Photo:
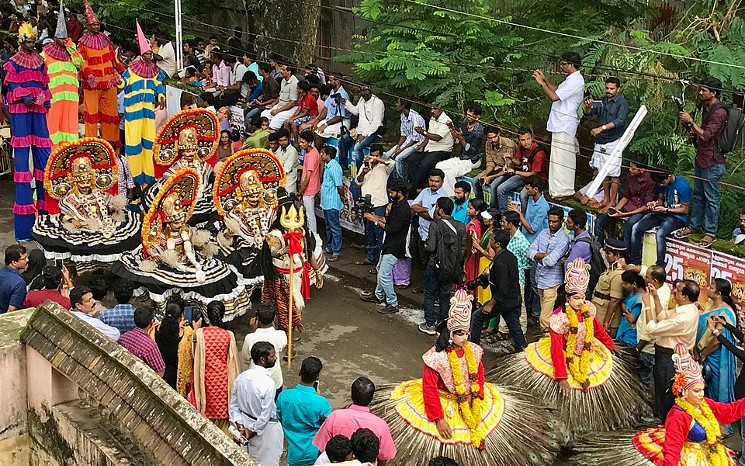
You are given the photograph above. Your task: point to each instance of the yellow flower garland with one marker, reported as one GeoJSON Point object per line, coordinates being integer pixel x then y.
{"type": "Point", "coordinates": [470, 407]}
{"type": "Point", "coordinates": [579, 369]}
{"type": "Point", "coordinates": [709, 422]}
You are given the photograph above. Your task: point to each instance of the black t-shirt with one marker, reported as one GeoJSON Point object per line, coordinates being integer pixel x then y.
{"type": "Point", "coordinates": [397, 225]}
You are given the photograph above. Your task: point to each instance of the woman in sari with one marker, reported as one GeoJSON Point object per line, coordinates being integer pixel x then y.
{"type": "Point", "coordinates": [474, 230]}
{"type": "Point", "coordinates": [485, 257]}
{"type": "Point", "coordinates": [719, 366]}
{"type": "Point", "coordinates": [216, 366]}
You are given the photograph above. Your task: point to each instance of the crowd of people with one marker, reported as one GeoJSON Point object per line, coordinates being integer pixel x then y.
{"type": "Point", "coordinates": [462, 200]}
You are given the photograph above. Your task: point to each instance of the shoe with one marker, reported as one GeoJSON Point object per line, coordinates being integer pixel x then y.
{"type": "Point", "coordinates": [532, 321]}
{"type": "Point", "coordinates": [429, 330]}
{"type": "Point", "coordinates": [333, 258]}
{"type": "Point", "coordinates": [370, 297]}
{"type": "Point", "coordinates": [388, 309]}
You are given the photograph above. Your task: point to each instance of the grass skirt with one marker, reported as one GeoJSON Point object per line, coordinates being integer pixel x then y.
{"type": "Point", "coordinates": [517, 430]}
{"type": "Point", "coordinates": [614, 399]}
{"type": "Point", "coordinates": [644, 448]}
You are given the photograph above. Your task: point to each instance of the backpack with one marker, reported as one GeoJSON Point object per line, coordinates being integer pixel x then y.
{"type": "Point", "coordinates": [731, 136]}
{"type": "Point", "coordinates": [449, 262]}
{"type": "Point", "coordinates": [597, 264]}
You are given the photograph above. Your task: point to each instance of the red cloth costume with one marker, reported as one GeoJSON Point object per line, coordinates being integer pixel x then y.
{"type": "Point", "coordinates": [432, 383]}
{"type": "Point", "coordinates": [678, 423]}
{"type": "Point", "coordinates": [559, 341]}
{"type": "Point", "coordinates": [99, 77]}
{"type": "Point", "coordinates": [217, 347]}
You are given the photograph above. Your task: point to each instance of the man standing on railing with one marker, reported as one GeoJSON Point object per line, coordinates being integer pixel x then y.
{"type": "Point", "coordinates": [563, 122]}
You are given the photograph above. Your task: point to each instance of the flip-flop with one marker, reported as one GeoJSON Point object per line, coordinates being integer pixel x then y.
{"type": "Point", "coordinates": [364, 262]}
{"type": "Point", "coordinates": [683, 233]}
{"type": "Point", "coordinates": [706, 241]}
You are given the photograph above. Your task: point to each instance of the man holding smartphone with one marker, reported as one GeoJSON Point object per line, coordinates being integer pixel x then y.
{"type": "Point", "coordinates": [611, 112]}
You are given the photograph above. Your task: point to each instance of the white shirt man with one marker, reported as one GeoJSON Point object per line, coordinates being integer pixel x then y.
{"type": "Point", "coordinates": [277, 338]}
{"type": "Point", "coordinates": [252, 408]}
{"type": "Point", "coordinates": [287, 104]}
{"type": "Point", "coordinates": [409, 138]}
{"type": "Point", "coordinates": [562, 123]}
{"type": "Point", "coordinates": [168, 58]}
{"type": "Point", "coordinates": [84, 307]}
{"type": "Point", "coordinates": [287, 154]}
{"type": "Point", "coordinates": [370, 111]}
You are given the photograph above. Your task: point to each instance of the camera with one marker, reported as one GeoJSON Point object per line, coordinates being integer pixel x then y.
{"type": "Point", "coordinates": [480, 281]}
{"type": "Point", "coordinates": [679, 103]}
{"type": "Point", "coordinates": [364, 204]}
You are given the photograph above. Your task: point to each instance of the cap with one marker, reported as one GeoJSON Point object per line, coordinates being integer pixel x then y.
{"type": "Point", "coordinates": [616, 244]}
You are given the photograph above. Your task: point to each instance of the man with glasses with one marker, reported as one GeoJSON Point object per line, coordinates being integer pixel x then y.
{"type": "Point", "coordinates": [12, 285]}
{"type": "Point", "coordinates": [563, 122]}
{"type": "Point", "coordinates": [470, 138]}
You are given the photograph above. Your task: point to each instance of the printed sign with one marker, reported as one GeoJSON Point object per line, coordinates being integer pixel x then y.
{"type": "Point", "coordinates": [732, 269]}
{"type": "Point", "coordinates": [684, 261]}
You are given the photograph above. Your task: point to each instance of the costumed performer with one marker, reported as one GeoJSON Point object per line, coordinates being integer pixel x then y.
{"type": "Point", "coordinates": [573, 369]}
{"type": "Point", "coordinates": [91, 223]}
{"type": "Point", "coordinates": [691, 436]}
{"type": "Point", "coordinates": [100, 74]}
{"type": "Point", "coordinates": [188, 139]}
{"type": "Point", "coordinates": [452, 411]}
{"type": "Point", "coordinates": [143, 88]}
{"type": "Point", "coordinates": [177, 259]}
{"type": "Point", "coordinates": [28, 99]}
{"type": "Point", "coordinates": [245, 195]}
{"type": "Point", "coordinates": [288, 239]}
{"type": "Point", "coordinates": [63, 65]}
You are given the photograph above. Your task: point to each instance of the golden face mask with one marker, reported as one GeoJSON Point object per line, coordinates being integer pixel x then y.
{"type": "Point", "coordinates": [82, 171]}
{"type": "Point", "coordinates": [173, 209]}
{"type": "Point", "coordinates": [249, 184]}
{"type": "Point", "coordinates": [187, 140]}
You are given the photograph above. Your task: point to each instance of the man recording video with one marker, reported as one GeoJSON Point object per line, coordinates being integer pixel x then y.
{"type": "Point", "coordinates": [396, 224]}
{"type": "Point", "coordinates": [373, 179]}
{"type": "Point", "coordinates": [709, 162]}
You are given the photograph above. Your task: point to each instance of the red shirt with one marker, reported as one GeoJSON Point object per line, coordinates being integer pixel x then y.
{"type": "Point", "coordinates": [538, 163]}
{"type": "Point", "coordinates": [37, 297]}
{"type": "Point", "coordinates": [139, 343]}
{"type": "Point", "coordinates": [559, 342]}
{"type": "Point", "coordinates": [678, 424]}
{"type": "Point", "coordinates": [432, 383]}
{"type": "Point", "coordinates": [639, 191]}
{"type": "Point", "coordinates": [309, 104]}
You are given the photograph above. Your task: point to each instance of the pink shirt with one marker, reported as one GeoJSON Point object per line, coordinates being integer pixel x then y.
{"type": "Point", "coordinates": [346, 422]}
{"type": "Point", "coordinates": [221, 74]}
{"type": "Point", "coordinates": [310, 165]}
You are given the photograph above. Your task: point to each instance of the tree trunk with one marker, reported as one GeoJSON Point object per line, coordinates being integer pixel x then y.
{"type": "Point", "coordinates": [290, 30]}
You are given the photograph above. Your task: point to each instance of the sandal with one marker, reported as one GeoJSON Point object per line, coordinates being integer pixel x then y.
{"type": "Point", "coordinates": [684, 232]}
{"type": "Point", "coordinates": [706, 241]}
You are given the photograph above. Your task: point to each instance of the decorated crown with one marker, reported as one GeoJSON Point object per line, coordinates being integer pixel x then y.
{"type": "Point", "coordinates": [459, 315]}
{"type": "Point", "coordinates": [577, 277]}
{"type": "Point", "coordinates": [90, 15]}
{"type": "Point", "coordinates": [26, 32]}
{"type": "Point", "coordinates": [233, 177]}
{"type": "Point", "coordinates": [73, 159]}
{"type": "Point", "coordinates": [688, 371]}
{"type": "Point", "coordinates": [189, 129]}
{"type": "Point", "coordinates": [175, 202]}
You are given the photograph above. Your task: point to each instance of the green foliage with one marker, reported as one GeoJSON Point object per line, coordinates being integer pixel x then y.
{"type": "Point", "coordinates": [430, 54]}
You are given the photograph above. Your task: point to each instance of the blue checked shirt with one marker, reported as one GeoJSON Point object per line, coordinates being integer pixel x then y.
{"type": "Point", "coordinates": [550, 271]}
{"type": "Point", "coordinates": [121, 316]}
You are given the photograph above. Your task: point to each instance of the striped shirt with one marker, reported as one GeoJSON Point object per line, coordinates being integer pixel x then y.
{"type": "Point", "coordinates": [121, 317]}
{"type": "Point", "coordinates": [408, 123]}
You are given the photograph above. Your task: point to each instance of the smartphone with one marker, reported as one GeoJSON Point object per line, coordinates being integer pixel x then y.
{"type": "Point", "coordinates": [612, 210]}
{"type": "Point", "coordinates": [317, 385]}
{"type": "Point", "coordinates": [59, 264]}
{"type": "Point", "coordinates": [597, 104]}
{"type": "Point", "coordinates": [188, 313]}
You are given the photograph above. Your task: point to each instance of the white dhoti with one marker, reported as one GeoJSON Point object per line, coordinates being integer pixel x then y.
{"type": "Point", "coordinates": [562, 164]}
{"type": "Point", "coordinates": [453, 168]}
{"type": "Point", "coordinates": [276, 121]}
{"type": "Point", "coordinates": [334, 131]}
{"type": "Point", "coordinates": [601, 156]}
{"type": "Point", "coordinates": [266, 448]}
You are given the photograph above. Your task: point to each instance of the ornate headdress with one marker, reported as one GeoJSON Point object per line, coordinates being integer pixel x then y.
{"type": "Point", "coordinates": [234, 175]}
{"type": "Point", "coordinates": [75, 159]}
{"type": "Point", "coordinates": [61, 31]}
{"type": "Point", "coordinates": [26, 32]}
{"type": "Point", "coordinates": [577, 277]}
{"type": "Point", "coordinates": [459, 316]}
{"type": "Point", "coordinates": [688, 371]}
{"type": "Point", "coordinates": [90, 16]}
{"type": "Point", "coordinates": [175, 202]}
{"type": "Point", "coordinates": [142, 40]}
{"type": "Point", "coordinates": [194, 129]}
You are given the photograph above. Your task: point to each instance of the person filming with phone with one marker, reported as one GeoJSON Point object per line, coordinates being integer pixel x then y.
{"type": "Point", "coordinates": [611, 112]}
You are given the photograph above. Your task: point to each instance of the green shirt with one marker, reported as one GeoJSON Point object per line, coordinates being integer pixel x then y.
{"type": "Point", "coordinates": [519, 246]}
